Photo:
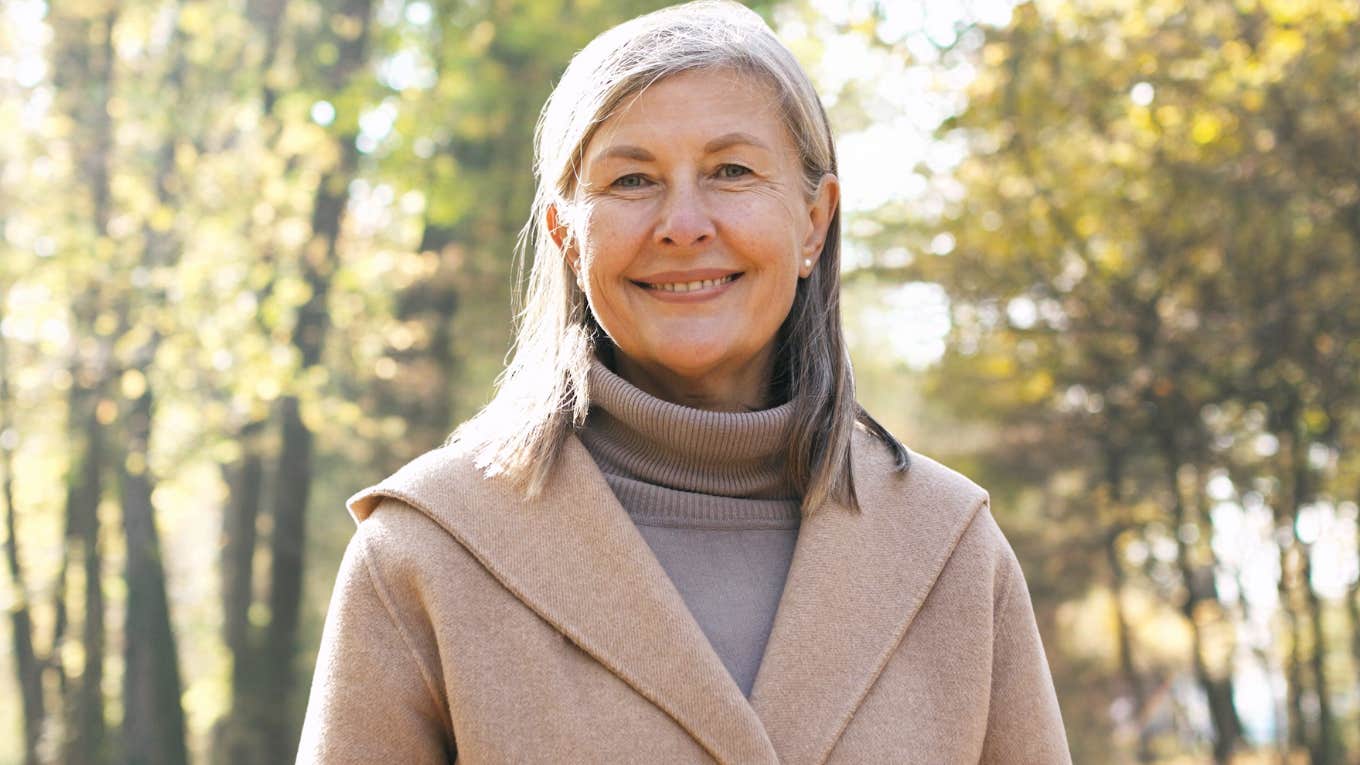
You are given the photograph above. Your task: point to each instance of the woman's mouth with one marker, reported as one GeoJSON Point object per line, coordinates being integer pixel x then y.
{"type": "Point", "coordinates": [689, 286]}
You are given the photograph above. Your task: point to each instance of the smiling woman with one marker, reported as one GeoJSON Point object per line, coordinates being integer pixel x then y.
{"type": "Point", "coordinates": [757, 169]}
{"type": "Point", "coordinates": [673, 535]}
{"type": "Point", "coordinates": [689, 231]}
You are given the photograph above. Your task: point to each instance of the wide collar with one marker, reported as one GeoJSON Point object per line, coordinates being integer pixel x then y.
{"type": "Point", "coordinates": [574, 557]}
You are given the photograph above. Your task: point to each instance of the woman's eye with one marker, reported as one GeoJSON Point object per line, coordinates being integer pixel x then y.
{"type": "Point", "coordinates": [631, 181]}
{"type": "Point", "coordinates": [733, 171]}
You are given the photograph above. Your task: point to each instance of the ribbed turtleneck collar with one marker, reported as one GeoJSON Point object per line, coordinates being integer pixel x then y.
{"type": "Point", "coordinates": [635, 435]}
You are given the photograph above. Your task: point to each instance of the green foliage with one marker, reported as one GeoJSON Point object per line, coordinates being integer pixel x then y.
{"type": "Point", "coordinates": [1154, 220]}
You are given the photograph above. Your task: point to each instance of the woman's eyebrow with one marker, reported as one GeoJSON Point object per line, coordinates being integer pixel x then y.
{"type": "Point", "coordinates": [733, 139]}
{"type": "Point", "coordinates": [625, 152]}
{"type": "Point", "coordinates": [725, 141]}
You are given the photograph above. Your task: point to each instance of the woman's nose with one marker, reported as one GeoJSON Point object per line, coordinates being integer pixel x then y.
{"type": "Point", "coordinates": [685, 220]}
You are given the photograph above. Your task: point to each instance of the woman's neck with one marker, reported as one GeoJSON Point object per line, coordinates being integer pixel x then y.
{"type": "Point", "coordinates": [743, 389]}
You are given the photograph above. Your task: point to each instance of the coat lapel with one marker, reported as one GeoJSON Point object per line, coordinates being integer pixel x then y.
{"type": "Point", "coordinates": [855, 584]}
{"type": "Point", "coordinates": [577, 560]}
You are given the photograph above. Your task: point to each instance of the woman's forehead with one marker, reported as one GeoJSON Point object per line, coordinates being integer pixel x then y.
{"type": "Point", "coordinates": [704, 107]}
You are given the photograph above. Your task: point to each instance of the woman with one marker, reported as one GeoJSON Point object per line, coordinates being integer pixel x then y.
{"type": "Point", "coordinates": [673, 536]}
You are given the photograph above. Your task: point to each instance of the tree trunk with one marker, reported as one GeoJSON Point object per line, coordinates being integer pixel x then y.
{"type": "Point", "coordinates": [1292, 572]}
{"type": "Point", "coordinates": [286, 546]}
{"type": "Point", "coordinates": [1200, 590]}
{"type": "Point", "coordinates": [1325, 749]}
{"type": "Point", "coordinates": [1322, 747]}
{"type": "Point", "coordinates": [1128, 669]}
{"type": "Point", "coordinates": [239, 735]}
{"type": "Point", "coordinates": [153, 720]}
{"type": "Point", "coordinates": [1298, 722]}
{"type": "Point", "coordinates": [153, 717]}
{"type": "Point", "coordinates": [245, 482]}
{"type": "Point", "coordinates": [27, 665]}
{"type": "Point", "coordinates": [82, 69]}
{"type": "Point", "coordinates": [293, 473]}
{"type": "Point", "coordinates": [83, 700]}
{"type": "Point", "coordinates": [1353, 606]}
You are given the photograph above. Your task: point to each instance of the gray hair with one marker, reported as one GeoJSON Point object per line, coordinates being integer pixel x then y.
{"type": "Point", "coordinates": [542, 395]}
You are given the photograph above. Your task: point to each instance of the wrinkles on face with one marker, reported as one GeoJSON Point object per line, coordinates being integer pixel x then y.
{"type": "Point", "coordinates": [638, 180]}
{"type": "Point", "coordinates": [696, 182]}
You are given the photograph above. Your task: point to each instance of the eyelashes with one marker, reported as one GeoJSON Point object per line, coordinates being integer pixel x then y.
{"type": "Point", "coordinates": [726, 171]}
{"type": "Point", "coordinates": [741, 171]}
{"type": "Point", "coordinates": [631, 181]}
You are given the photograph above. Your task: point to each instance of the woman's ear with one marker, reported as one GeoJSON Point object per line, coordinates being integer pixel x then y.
{"type": "Point", "coordinates": [566, 243]}
{"type": "Point", "coordinates": [821, 209]}
{"type": "Point", "coordinates": [561, 235]}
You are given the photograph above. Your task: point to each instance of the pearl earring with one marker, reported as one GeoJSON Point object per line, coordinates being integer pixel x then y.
{"type": "Point", "coordinates": [807, 262]}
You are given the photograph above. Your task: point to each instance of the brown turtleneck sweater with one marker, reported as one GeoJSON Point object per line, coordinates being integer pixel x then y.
{"type": "Point", "coordinates": [707, 492]}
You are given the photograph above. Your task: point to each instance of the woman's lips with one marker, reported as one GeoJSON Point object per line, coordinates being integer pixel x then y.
{"type": "Point", "coordinates": [688, 286]}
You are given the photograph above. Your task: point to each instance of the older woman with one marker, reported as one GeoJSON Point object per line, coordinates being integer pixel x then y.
{"type": "Point", "coordinates": [673, 536]}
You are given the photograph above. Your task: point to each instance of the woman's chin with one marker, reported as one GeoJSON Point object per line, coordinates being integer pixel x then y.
{"type": "Point", "coordinates": [696, 362]}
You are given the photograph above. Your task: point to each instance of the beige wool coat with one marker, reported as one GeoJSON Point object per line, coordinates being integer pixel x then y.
{"type": "Point", "coordinates": [467, 620]}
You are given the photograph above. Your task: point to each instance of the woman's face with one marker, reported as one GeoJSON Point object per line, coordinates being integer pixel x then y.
{"type": "Point", "coordinates": [691, 230]}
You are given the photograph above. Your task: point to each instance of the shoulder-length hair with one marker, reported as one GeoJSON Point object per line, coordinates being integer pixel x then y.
{"type": "Point", "coordinates": [542, 396]}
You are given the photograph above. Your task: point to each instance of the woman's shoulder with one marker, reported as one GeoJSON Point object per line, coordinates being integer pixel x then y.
{"type": "Point", "coordinates": [930, 494]}
{"type": "Point", "coordinates": [444, 472]}
{"type": "Point", "coordinates": [404, 520]}
{"type": "Point", "coordinates": [983, 540]}
{"type": "Point", "coordinates": [921, 480]}
{"type": "Point", "coordinates": [412, 556]}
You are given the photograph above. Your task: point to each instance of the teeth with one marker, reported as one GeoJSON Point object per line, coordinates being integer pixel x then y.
{"type": "Point", "coordinates": [691, 286]}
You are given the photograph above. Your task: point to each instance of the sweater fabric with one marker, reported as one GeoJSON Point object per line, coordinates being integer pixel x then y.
{"type": "Point", "coordinates": [708, 493]}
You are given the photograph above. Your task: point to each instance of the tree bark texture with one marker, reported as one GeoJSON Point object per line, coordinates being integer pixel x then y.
{"type": "Point", "coordinates": [153, 719]}
{"type": "Point", "coordinates": [1128, 668]}
{"type": "Point", "coordinates": [82, 697]}
{"type": "Point", "coordinates": [26, 663]}
{"type": "Point", "coordinates": [1323, 748]}
{"type": "Point", "coordinates": [83, 74]}
{"type": "Point", "coordinates": [1199, 589]}
{"type": "Point", "coordinates": [293, 473]}
{"type": "Point", "coordinates": [245, 482]}
{"type": "Point", "coordinates": [239, 736]}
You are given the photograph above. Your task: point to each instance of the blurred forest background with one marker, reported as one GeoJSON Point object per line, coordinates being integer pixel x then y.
{"type": "Point", "coordinates": [1102, 255]}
